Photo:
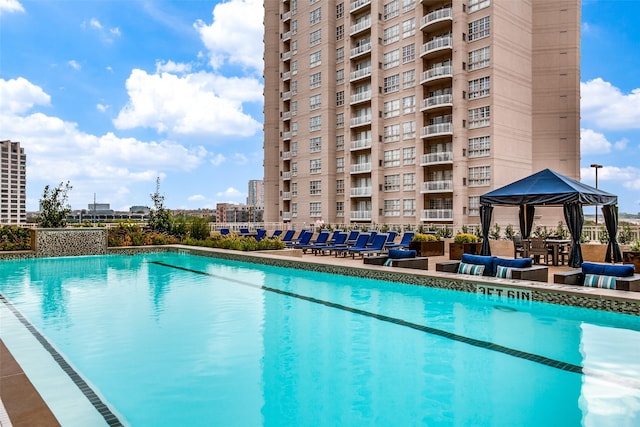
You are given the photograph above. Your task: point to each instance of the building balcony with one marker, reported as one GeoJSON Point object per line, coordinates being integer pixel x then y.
{"type": "Point", "coordinates": [286, 76]}
{"type": "Point", "coordinates": [436, 215]}
{"type": "Point", "coordinates": [360, 121]}
{"type": "Point", "coordinates": [286, 195]}
{"type": "Point", "coordinates": [360, 74]}
{"type": "Point", "coordinates": [361, 168]}
{"type": "Point", "coordinates": [286, 95]}
{"type": "Point", "coordinates": [445, 186]}
{"type": "Point", "coordinates": [436, 19]}
{"type": "Point", "coordinates": [442, 158]}
{"type": "Point", "coordinates": [286, 36]}
{"type": "Point", "coordinates": [435, 102]}
{"type": "Point", "coordinates": [361, 144]}
{"type": "Point", "coordinates": [286, 55]}
{"type": "Point", "coordinates": [361, 192]}
{"type": "Point", "coordinates": [437, 130]}
{"type": "Point", "coordinates": [286, 216]}
{"type": "Point", "coordinates": [360, 26]}
{"type": "Point", "coordinates": [286, 176]}
{"type": "Point", "coordinates": [436, 46]}
{"type": "Point", "coordinates": [360, 215]}
{"type": "Point", "coordinates": [286, 16]}
{"type": "Point", "coordinates": [358, 4]}
{"type": "Point", "coordinates": [286, 135]}
{"type": "Point", "coordinates": [437, 73]}
{"type": "Point", "coordinates": [360, 97]}
{"type": "Point", "coordinates": [286, 115]}
{"type": "Point", "coordinates": [286, 155]}
{"type": "Point", "coordinates": [360, 50]}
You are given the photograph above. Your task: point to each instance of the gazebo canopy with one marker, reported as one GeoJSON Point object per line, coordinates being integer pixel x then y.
{"type": "Point", "coordinates": [547, 187]}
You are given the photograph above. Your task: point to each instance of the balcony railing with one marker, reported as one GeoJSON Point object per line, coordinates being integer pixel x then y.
{"type": "Point", "coordinates": [286, 75]}
{"type": "Point", "coordinates": [360, 121]}
{"type": "Point", "coordinates": [360, 144]}
{"type": "Point", "coordinates": [358, 4]}
{"type": "Point", "coordinates": [286, 195]}
{"type": "Point", "coordinates": [436, 45]}
{"type": "Point", "coordinates": [286, 135]}
{"type": "Point", "coordinates": [436, 215]}
{"type": "Point", "coordinates": [286, 115]}
{"type": "Point", "coordinates": [363, 48]}
{"type": "Point", "coordinates": [286, 36]}
{"type": "Point", "coordinates": [360, 97]}
{"type": "Point", "coordinates": [436, 158]}
{"type": "Point", "coordinates": [286, 176]}
{"type": "Point", "coordinates": [286, 155]}
{"type": "Point", "coordinates": [286, 16]}
{"type": "Point", "coordinates": [437, 73]}
{"type": "Point", "coordinates": [360, 74]}
{"type": "Point", "coordinates": [360, 215]}
{"type": "Point", "coordinates": [437, 101]}
{"type": "Point", "coordinates": [360, 26]}
{"type": "Point", "coordinates": [286, 216]}
{"type": "Point", "coordinates": [286, 55]}
{"type": "Point", "coordinates": [435, 16]}
{"type": "Point", "coordinates": [437, 186]}
{"type": "Point", "coordinates": [361, 192]}
{"type": "Point", "coordinates": [361, 168]}
{"type": "Point", "coordinates": [439, 129]}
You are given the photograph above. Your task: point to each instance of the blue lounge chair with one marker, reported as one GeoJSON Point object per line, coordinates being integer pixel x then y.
{"type": "Point", "coordinates": [391, 236]}
{"type": "Point", "coordinates": [260, 234]}
{"type": "Point", "coordinates": [361, 243]}
{"type": "Point", "coordinates": [224, 231]}
{"type": "Point", "coordinates": [338, 243]}
{"type": "Point", "coordinates": [372, 235]}
{"type": "Point", "coordinates": [377, 247]}
{"type": "Point", "coordinates": [321, 240]}
{"type": "Point", "coordinates": [353, 236]}
{"type": "Point", "coordinates": [404, 242]}
{"type": "Point", "coordinates": [304, 240]}
{"type": "Point", "coordinates": [288, 236]}
{"type": "Point", "coordinates": [275, 234]}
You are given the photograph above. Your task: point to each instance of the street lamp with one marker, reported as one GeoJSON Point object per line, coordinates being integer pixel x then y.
{"type": "Point", "coordinates": [596, 166]}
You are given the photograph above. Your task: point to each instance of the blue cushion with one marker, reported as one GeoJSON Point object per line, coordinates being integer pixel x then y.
{"type": "Point", "coordinates": [503, 272]}
{"type": "Point", "coordinates": [487, 261]}
{"type": "Point", "coordinates": [600, 281]}
{"type": "Point", "coordinates": [514, 263]}
{"type": "Point", "coordinates": [617, 270]}
{"type": "Point", "coordinates": [471, 269]}
{"type": "Point", "coordinates": [399, 254]}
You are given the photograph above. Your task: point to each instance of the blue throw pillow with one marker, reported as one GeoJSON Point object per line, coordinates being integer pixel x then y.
{"type": "Point", "coordinates": [514, 263]}
{"type": "Point", "coordinates": [399, 254]}
{"type": "Point", "coordinates": [487, 261]}
{"type": "Point", "coordinates": [600, 281]}
{"type": "Point", "coordinates": [503, 272]}
{"type": "Point", "coordinates": [617, 270]}
{"type": "Point", "coordinates": [471, 269]}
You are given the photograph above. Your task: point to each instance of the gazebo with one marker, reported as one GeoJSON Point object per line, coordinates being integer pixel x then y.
{"type": "Point", "coordinates": [549, 188]}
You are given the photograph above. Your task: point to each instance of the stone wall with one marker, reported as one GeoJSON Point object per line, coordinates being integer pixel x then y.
{"type": "Point", "coordinates": [55, 242]}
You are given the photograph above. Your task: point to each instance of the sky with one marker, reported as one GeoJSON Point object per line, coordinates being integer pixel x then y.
{"type": "Point", "coordinates": [112, 94]}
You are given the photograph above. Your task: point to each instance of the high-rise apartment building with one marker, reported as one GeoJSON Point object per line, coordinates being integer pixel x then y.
{"type": "Point", "coordinates": [13, 181]}
{"type": "Point", "coordinates": [406, 111]}
{"type": "Point", "coordinates": [255, 195]}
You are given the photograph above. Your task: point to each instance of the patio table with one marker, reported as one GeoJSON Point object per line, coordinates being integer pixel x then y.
{"type": "Point", "coordinates": [556, 246]}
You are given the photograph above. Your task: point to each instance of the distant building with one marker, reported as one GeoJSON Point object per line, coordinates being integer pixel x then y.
{"type": "Point", "coordinates": [140, 209]}
{"type": "Point", "coordinates": [229, 212]}
{"type": "Point", "coordinates": [13, 183]}
{"type": "Point", "coordinates": [256, 193]}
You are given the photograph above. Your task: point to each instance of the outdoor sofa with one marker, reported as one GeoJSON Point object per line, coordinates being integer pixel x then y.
{"type": "Point", "coordinates": [597, 275]}
{"type": "Point", "coordinates": [399, 258]}
{"type": "Point", "coordinates": [492, 266]}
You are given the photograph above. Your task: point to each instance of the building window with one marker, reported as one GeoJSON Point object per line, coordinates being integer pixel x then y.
{"type": "Point", "coordinates": [294, 168]}
{"type": "Point", "coordinates": [339, 32]}
{"type": "Point", "coordinates": [409, 27]}
{"type": "Point", "coordinates": [339, 120]}
{"type": "Point", "coordinates": [315, 123]}
{"type": "Point", "coordinates": [294, 7]}
{"type": "Point", "coordinates": [315, 16]}
{"type": "Point", "coordinates": [479, 176]}
{"type": "Point", "coordinates": [339, 142]}
{"type": "Point", "coordinates": [315, 80]}
{"type": "Point", "coordinates": [315, 209]}
{"type": "Point", "coordinates": [315, 38]}
{"type": "Point", "coordinates": [294, 47]}
{"type": "Point", "coordinates": [340, 54]}
{"type": "Point", "coordinates": [340, 209]}
{"type": "Point", "coordinates": [392, 182]}
{"type": "Point", "coordinates": [480, 146]}
{"type": "Point", "coordinates": [294, 189]}
{"type": "Point", "coordinates": [479, 29]}
{"type": "Point", "coordinates": [315, 144]}
{"type": "Point", "coordinates": [408, 5]}
{"type": "Point", "coordinates": [475, 5]}
{"type": "Point", "coordinates": [340, 165]}
{"type": "Point", "coordinates": [408, 79]}
{"type": "Point", "coordinates": [391, 10]}
{"type": "Point", "coordinates": [315, 102]}
{"type": "Point", "coordinates": [409, 181]}
{"type": "Point", "coordinates": [408, 53]}
{"type": "Point", "coordinates": [294, 27]}
{"type": "Point", "coordinates": [294, 210]}
{"type": "Point", "coordinates": [474, 206]}
{"type": "Point", "coordinates": [392, 83]}
{"type": "Point", "coordinates": [479, 117]}
{"type": "Point", "coordinates": [392, 134]}
{"type": "Point", "coordinates": [392, 207]}
{"type": "Point", "coordinates": [392, 108]}
{"type": "Point", "coordinates": [294, 148]}
{"type": "Point", "coordinates": [340, 186]}
{"type": "Point", "coordinates": [409, 207]}
{"type": "Point", "coordinates": [340, 10]}
{"type": "Point", "coordinates": [339, 77]}
{"type": "Point", "coordinates": [408, 104]}
{"type": "Point", "coordinates": [391, 158]}
{"type": "Point", "coordinates": [409, 156]}
{"type": "Point", "coordinates": [479, 58]}
{"type": "Point", "coordinates": [315, 166]}
{"type": "Point", "coordinates": [391, 59]}
{"type": "Point", "coordinates": [409, 130]}
{"type": "Point", "coordinates": [340, 98]}
{"type": "Point", "coordinates": [479, 88]}
{"type": "Point", "coordinates": [391, 34]}
{"type": "Point", "coordinates": [294, 128]}
{"type": "Point", "coordinates": [315, 188]}
{"type": "Point", "coordinates": [315, 59]}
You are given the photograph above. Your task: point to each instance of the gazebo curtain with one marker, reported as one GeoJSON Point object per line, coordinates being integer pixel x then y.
{"type": "Point", "coordinates": [610, 213]}
{"type": "Point", "coordinates": [526, 220]}
{"type": "Point", "coordinates": [485, 221]}
{"type": "Point", "coordinates": [574, 218]}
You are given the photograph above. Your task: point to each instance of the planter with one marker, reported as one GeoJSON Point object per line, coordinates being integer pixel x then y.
{"type": "Point", "coordinates": [428, 248]}
{"type": "Point", "coordinates": [632, 257]}
{"type": "Point", "coordinates": [457, 249]}
{"type": "Point", "coordinates": [55, 242]}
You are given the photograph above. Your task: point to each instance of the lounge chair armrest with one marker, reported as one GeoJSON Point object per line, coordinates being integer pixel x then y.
{"type": "Point", "coordinates": [573, 277]}
{"type": "Point", "coordinates": [375, 260]}
{"type": "Point", "coordinates": [536, 273]}
{"type": "Point", "coordinates": [448, 266]}
{"type": "Point", "coordinates": [629, 283]}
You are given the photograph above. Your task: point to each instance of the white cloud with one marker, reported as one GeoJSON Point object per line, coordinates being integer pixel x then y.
{"type": "Point", "coordinates": [102, 108]}
{"type": "Point", "coordinates": [234, 35]}
{"type": "Point", "coordinates": [240, 159]}
{"type": "Point", "coordinates": [592, 142]}
{"type": "Point", "coordinates": [196, 198]}
{"type": "Point", "coordinates": [20, 95]}
{"type": "Point", "coordinates": [74, 64]}
{"type": "Point", "coordinates": [95, 24]}
{"type": "Point", "coordinates": [218, 159]}
{"type": "Point", "coordinates": [230, 193]}
{"type": "Point", "coordinates": [106, 34]}
{"type": "Point", "coordinates": [10, 6]}
{"type": "Point", "coordinates": [606, 107]}
{"type": "Point", "coordinates": [172, 67]}
{"type": "Point", "coordinates": [198, 103]}
{"type": "Point", "coordinates": [628, 177]}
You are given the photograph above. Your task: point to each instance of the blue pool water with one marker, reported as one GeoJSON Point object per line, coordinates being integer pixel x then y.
{"type": "Point", "coordinates": [178, 340]}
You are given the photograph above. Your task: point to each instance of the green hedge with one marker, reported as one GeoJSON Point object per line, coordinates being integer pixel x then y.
{"type": "Point", "coordinates": [14, 238]}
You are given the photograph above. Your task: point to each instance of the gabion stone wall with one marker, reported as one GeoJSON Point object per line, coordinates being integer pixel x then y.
{"type": "Point", "coordinates": [55, 242]}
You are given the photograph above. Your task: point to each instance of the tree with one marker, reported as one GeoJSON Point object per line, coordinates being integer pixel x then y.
{"type": "Point", "coordinates": [159, 217]}
{"type": "Point", "coordinates": [53, 206]}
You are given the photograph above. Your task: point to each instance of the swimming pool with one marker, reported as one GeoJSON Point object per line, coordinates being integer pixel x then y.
{"type": "Point", "coordinates": [171, 339]}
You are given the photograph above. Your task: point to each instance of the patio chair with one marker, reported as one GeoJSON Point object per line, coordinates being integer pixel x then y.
{"type": "Point", "coordinates": [321, 240]}
{"type": "Point", "coordinates": [224, 231]}
{"type": "Point", "coordinates": [391, 236]}
{"type": "Point", "coordinates": [519, 247]}
{"type": "Point", "coordinates": [260, 234]}
{"type": "Point", "coordinates": [288, 236]}
{"type": "Point", "coordinates": [538, 248]}
{"type": "Point", "coordinates": [275, 234]}
{"type": "Point", "coordinates": [361, 243]}
{"type": "Point", "coordinates": [305, 239]}
{"type": "Point", "coordinates": [352, 237]}
{"type": "Point", "coordinates": [338, 243]}
{"type": "Point", "coordinates": [404, 242]}
{"type": "Point", "coordinates": [376, 247]}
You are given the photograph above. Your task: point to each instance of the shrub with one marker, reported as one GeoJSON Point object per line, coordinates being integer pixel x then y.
{"type": "Point", "coordinates": [625, 235]}
{"type": "Point", "coordinates": [465, 238]}
{"type": "Point", "coordinates": [53, 206]}
{"type": "Point", "coordinates": [509, 233]}
{"type": "Point", "coordinates": [495, 233]}
{"type": "Point", "coordinates": [14, 238]}
{"type": "Point", "coordinates": [199, 228]}
{"type": "Point", "coordinates": [420, 237]}
{"type": "Point", "coordinates": [636, 246]}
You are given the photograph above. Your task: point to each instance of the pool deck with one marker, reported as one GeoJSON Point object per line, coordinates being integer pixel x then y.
{"type": "Point", "coordinates": [21, 404]}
